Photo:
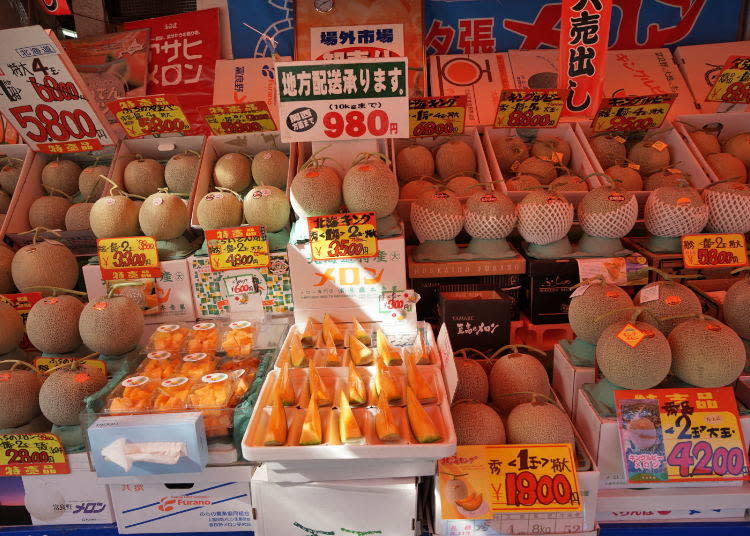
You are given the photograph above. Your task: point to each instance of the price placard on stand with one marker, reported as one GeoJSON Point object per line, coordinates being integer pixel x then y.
{"type": "Point", "coordinates": [237, 248]}
{"type": "Point", "coordinates": [46, 363]}
{"type": "Point", "coordinates": [626, 114]}
{"type": "Point", "coordinates": [343, 99]}
{"type": "Point", "coordinates": [714, 250]}
{"type": "Point", "coordinates": [480, 481]}
{"type": "Point", "coordinates": [43, 96]}
{"type": "Point", "coordinates": [238, 118]}
{"type": "Point", "coordinates": [31, 454]}
{"type": "Point", "coordinates": [529, 108]}
{"type": "Point", "coordinates": [343, 236]}
{"type": "Point", "coordinates": [134, 257]}
{"type": "Point", "coordinates": [436, 116]}
{"type": "Point", "coordinates": [733, 84]}
{"type": "Point", "coordinates": [681, 435]}
{"type": "Point", "coordinates": [150, 115]}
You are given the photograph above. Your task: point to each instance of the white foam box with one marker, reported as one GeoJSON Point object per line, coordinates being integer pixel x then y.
{"type": "Point", "coordinates": [76, 498]}
{"type": "Point", "coordinates": [173, 291]}
{"type": "Point", "coordinates": [218, 500]}
{"type": "Point", "coordinates": [701, 66]}
{"type": "Point", "coordinates": [29, 189]}
{"type": "Point", "coordinates": [731, 124]}
{"type": "Point", "coordinates": [481, 77]}
{"type": "Point", "coordinates": [567, 378]}
{"type": "Point", "coordinates": [385, 506]}
{"type": "Point", "coordinates": [580, 163]}
{"type": "Point", "coordinates": [602, 438]}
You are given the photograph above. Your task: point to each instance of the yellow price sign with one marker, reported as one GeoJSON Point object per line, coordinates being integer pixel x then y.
{"type": "Point", "coordinates": [149, 115]}
{"type": "Point", "coordinates": [529, 108]}
{"type": "Point", "coordinates": [480, 481]}
{"type": "Point", "coordinates": [437, 116]}
{"type": "Point", "coordinates": [733, 84]}
{"type": "Point", "coordinates": [237, 248]}
{"type": "Point", "coordinates": [350, 235]}
{"type": "Point", "coordinates": [46, 363]}
{"type": "Point", "coordinates": [133, 257]}
{"type": "Point", "coordinates": [238, 118]}
{"type": "Point", "coordinates": [717, 250]}
{"type": "Point", "coordinates": [626, 114]}
{"type": "Point", "coordinates": [31, 454]}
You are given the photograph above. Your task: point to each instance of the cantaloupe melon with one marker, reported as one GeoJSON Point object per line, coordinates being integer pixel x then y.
{"type": "Point", "coordinates": [473, 383]}
{"type": "Point", "coordinates": [477, 424]}
{"type": "Point", "coordinates": [62, 395]}
{"type": "Point", "coordinates": [539, 422]}
{"type": "Point", "coordinates": [19, 400]}
{"type": "Point", "coordinates": [517, 373]}
{"type": "Point", "coordinates": [46, 264]}
{"type": "Point", "coordinates": [52, 324]}
{"type": "Point", "coordinates": [111, 325]}
{"type": "Point", "coordinates": [11, 328]}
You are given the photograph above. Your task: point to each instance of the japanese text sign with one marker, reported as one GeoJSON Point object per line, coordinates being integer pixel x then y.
{"type": "Point", "coordinates": [529, 108]}
{"type": "Point", "coordinates": [733, 84]}
{"type": "Point", "coordinates": [681, 435]}
{"type": "Point", "coordinates": [238, 118]}
{"type": "Point", "coordinates": [480, 481]}
{"type": "Point", "coordinates": [625, 114]}
{"type": "Point", "coordinates": [343, 100]}
{"type": "Point", "coordinates": [714, 250]}
{"type": "Point", "coordinates": [31, 454]}
{"type": "Point", "coordinates": [151, 115]}
{"type": "Point", "coordinates": [43, 96]}
{"type": "Point", "coordinates": [237, 248]}
{"type": "Point", "coordinates": [44, 364]}
{"type": "Point", "coordinates": [343, 236]}
{"type": "Point", "coordinates": [436, 116]}
{"type": "Point", "coordinates": [584, 29]}
{"type": "Point", "coordinates": [134, 257]}
{"type": "Point", "coordinates": [22, 303]}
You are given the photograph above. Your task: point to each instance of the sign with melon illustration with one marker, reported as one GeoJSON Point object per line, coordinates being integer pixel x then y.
{"type": "Point", "coordinates": [733, 84]}
{"type": "Point", "coordinates": [529, 108]}
{"type": "Point", "coordinates": [133, 257]}
{"type": "Point", "coordinates": [32, 454]}
{"type": "Point", "coordinates": [482, 480]}
{"type": "Point", "coordinates": [625, 114]}
{"type": "Point", "coordinates": [681, 435]}
{"type": "Point", "coordinates": [237, 248]}
{"type": "Point", "coordinates": [350, 235]}
{"type": "Point", "coordinates": [714, 250]}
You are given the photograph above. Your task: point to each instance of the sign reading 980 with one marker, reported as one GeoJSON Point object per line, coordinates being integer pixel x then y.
{"type": "Point", "coordinates": [348, 99]}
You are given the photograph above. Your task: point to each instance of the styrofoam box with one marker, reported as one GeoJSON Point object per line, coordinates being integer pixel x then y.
{"type": "Point", "coordinates": [218, 500]}
{"type": "Point", "coordinates": [218, 146]}
{"type": "Point", "coordinates": [386, 506]}
{"type": "Point", "coordinates": [681, 156]}
{"type": "Point", "coordinates": [76, 498]}
{"type": "Point", "coordinates": [579, 159]}
{"type": "Point", "coordinates": [732, 124]}
{"type": "Point", "coordinates": [602, 438]}
{"type": "Point", "coordinates": [567, 378]}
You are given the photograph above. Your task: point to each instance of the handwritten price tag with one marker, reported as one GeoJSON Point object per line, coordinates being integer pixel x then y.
{"type": "Point", "coordinates": [46, 363]}
{"type": "Point", "coordinates": [238, 118]}
{"type": "Point", "coordinates": [529, 108]}
{"type": "Point", "coordinates": [681, 435]}
{"type": "Point", "coordinates": [733, 84]}
{"type": "Point", "coordinates": [632, 113]}
{"type": "Point", "coordinates": [479, 481]}
{"type": "Point", "coordinates": [436, 116]}
{"type": "Point", "coordinates": [343, 236]}
{"type": "Point", "coordinates": [31, 454]}
{"type": "Point", "coordinates": [237, 248]}
{"type": "Point", "coordinates": [714, 250]}
{"type": "Point", "coordinates": [134, 257]}
{"type": "Point", "coordinates": [146, 116]}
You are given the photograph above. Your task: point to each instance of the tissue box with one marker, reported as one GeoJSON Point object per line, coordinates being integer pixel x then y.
{"type": "Point", "coordinates": [185, 428]}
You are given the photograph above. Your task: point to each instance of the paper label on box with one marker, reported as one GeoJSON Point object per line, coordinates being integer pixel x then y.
{"type": "Point", "coordinates": [134, 257]}
{"type": "Point", "coordinates": [714, 250]}
{"type": "Point", "coordinates": [343, 236]}
{"type": "Point", "coordinates": [619, 271]}
{"type": "Point", "coordinates": [238, 118]}
{"type": "Point", "coordinates": [238, 248]}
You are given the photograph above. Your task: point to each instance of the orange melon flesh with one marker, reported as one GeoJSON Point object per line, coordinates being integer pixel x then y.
{"type": "Point", "coordinates": [386, 351]}
{"type": "Point", "coordinates": [355, 386]}
{"type": "Point", "coordinates": [422, 427]}
{"type": "Point", "coordinates": [296, 352]}
{"type": "Point", "coordinates": [312, 433]}
{"type": "Point", "coordinates": [330, 328]}
{"type": "Point", "coordinates": [385, 382]}
{"type": "Point", "coordinates": [284, 387]}
{"type": "Point", "coordinates": [385, 424]}
{"type": "Point", "coordinates": [360, 354]}
{"type": "Point", "coordinates": [318, 389]}
{"type": "Point", "coordinates": [360, 333]}
{"type": "Point", "coordinates": [348, 427]}
{"type": "Point", "coordinates": [276, 427]}
{"type": "Point", "coordinates": [417, 382]}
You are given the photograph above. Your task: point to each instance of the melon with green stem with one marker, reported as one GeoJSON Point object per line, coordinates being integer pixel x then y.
{"type": "Point", "coordinates": [219, 210]}
{"type": "Point", "coordinates": [143, 177]}
{"type": "Point", "coordinates": [515, 376]}
{"type": "Point", "coordinates": [19, 393]}
{"type": "Point", "coordinates": [111, 325]}
{"type": "Point", "coordinates": [316, 190]}
{"type": "Point", "coordinates": [44, 264]}
{"type": "Point", "coordinates": [462, 185]}
{"type": "Point", "coordinates": [666, 303]}
{"type": "Point", "coordinates": [706, 142]}
{"type": "Point", "coordinates": [544, 170]}
{"type": "Point", "coordinates": [115, 216]}
{"type": "Point", "coordinates": [626, 176]}
{"type": "Point", "coordinates": [90, 182]}
{"type": "Point", "coordinates": [569, 183]}
{"type": "Point", "coordinates": [413, 188]}
{"type": "Point", "coordinates": [665, 177]}
{"type": "Point", "coordinates": [52, 324]}
{"type": "Point", "coordinates": [606, 214]}
{"type": "Point", "coordinates": [477, 423]}
{"type": "Point", "coordinates": [11, 328]}
{"type": "Point", "coordinates": [551, 148]}
{"type": "Point", "coordinates": [522, 182]}
{"type": "Point", "coordinates": [61, 176]}
{"type": "Point", "coordinates": [739, 147]}
{"type": "Point", "coordinates": [268, 207]}
{"type": "Point", "coordinates": [672, 212]}
{"type": "Point", "coordinates": [49, 211]}
{"type": "Point", "coordinates": [270, 168]}
{"type": "Point", "coordinates": [594, 305]}
{"type": "Point", "coordinates": [233, 171]}
{"type": "Point", "coordinates": [539, 421]}
{"type": "Point", "coordinates": [181, 171]}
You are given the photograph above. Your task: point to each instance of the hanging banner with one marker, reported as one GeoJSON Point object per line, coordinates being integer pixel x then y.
{"type": "Point", "coordinates": [584, 27]}
{"type": "Point", "coordinates": [55, 7]}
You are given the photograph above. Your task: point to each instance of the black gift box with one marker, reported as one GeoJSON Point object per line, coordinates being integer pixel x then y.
{"type": "Point", "coordinates": [477, 319]}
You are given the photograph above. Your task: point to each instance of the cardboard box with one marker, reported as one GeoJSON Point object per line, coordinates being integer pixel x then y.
{"type": "Point", "coordinates": [711, 294]}
{"type": "Point", "coordinates": [568, 378]}
{"type": "Point", "coordinates": [217, 500]}
{"type": "Point", "coordinates": [701, 66]}
{"type": "Point", "coordinates": [479, 319]}
{"type": "Point", "coordinates": [173, 291]}
{"type": "Point", "coordinates": [26, 155]}
{"type": "Point", "coordinates": [481, 77]}
{"type": "Point", "coordinates": [340, 508]}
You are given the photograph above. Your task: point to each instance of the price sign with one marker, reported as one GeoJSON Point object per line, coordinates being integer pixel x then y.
{"type": "Point", "coordinates": [632, 113]}
{"type": "Point", "coordinates": [31, 454]}
{"type": "Point", "coordinates": [733, 84]}
{"type": "Point", "coordinates": [238, 118]}
{"type": "Point", "coordinates": [343, 99]}
{"type": "Point", "coordinates": [529, 108]}
{"type": "Point", "coordinates": [480, 481]}
{"type": "Point", "coordinates": [436, 116]}
{"type": "Point", "coordinates": [150, 115]}
{"type": "Point", "coordinates": [46, 363]}
{"type": "Point", "coordinates": [343, 236]}
{"type": "Point", "coordinates": [44, 97]}
{"type": "Point", "coordinates": [237, 248]}
{"type": "Point", "coordinates": [681, 435]}
{"type": "Point", "coordinates": [714, 250]}
{"type": "Point", "coordinates": [22, 303]}
{"type": "Point", "coordinates": [134, 257]}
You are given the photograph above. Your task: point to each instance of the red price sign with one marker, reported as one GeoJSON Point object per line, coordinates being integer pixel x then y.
{"type": "Point", "coordinates": [31, 454]}
{"type": "Point", "coordinates": [529, 108]}
{"type": "Point", "coordinates": [343, 236]}
{"type": "Point", "coordinates": [154, 114]}
{"type": "Point", "coordinates": [356, 124]}
{"type": "Point", "coordinates": [714, 250]}
{"type": "Point", "coordinates": [625, 114]}
{"type": "Point", "coordinates": [22, 303]}
{"type": "Point", "coordinates": [733, 84]}
{"type": "Point", "coordinates": [134, 257]}
{"type": "Point", "coordinates": [238, 248]}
